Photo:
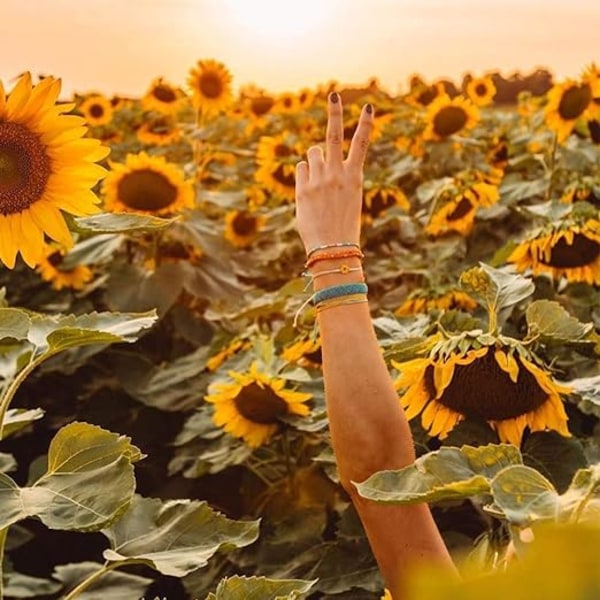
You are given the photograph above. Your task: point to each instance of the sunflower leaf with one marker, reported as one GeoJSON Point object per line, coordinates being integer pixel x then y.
{"type": "Point", "coordinates": [83, 459]}
{"type": "Point", "coordinates": [16, 419]}
{"type": "Point", "coordinates": [549, 320]}
{"type": "Point", "coordinates": [119, 223]}
{"type": "Point", "coordinates": [524, 495]}
{"type": "Point", "coordinates": [174, 537]}
{"type": "Point", "coordinates": [260, 588]}
{"type": "Point", "coordinates": [445, 474]}
{"type": "Point", "coordinates": [14, 324]}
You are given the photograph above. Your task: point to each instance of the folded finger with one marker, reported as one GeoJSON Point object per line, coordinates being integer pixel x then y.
{"type": "Point", "coordinates": [316, 161]}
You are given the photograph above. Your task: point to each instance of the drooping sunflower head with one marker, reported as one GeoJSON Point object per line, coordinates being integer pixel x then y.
{"type": "Point", "coordinates": [242, 227]}
{"type": "Point", "coordinates": [51, 269]}
{"type": "Point", "coordinates": [250, 405]}
{"type": "Point", "coordinates": [162, 131]}
{"type": "Point", "coordinates": [277, 157]}
{"type": "Point", "coordinates": [305, 352]}
{"type": "Point", "coordinates": [379, 198]}
{"type": "Point", "coordinates": [583, 189]}
{"type": "Point", "coordinates": [499, 384]}
{"type": "Point", "coordinates": [97, 110]}
{"type": "Point", "coordinates": [481, 90]}
{"type": "Point", "coordinates": [226, 352]}
{"type": "Point", "coordinates": [423, 94]}
{"type": "Point", "coordinates": [163, 97]}
{"type": "Point", "coordinates": [424, 301]}
{"type": "Point", "coordinates": [568, 249]}
{"type": "Point", "coordinates": [147, 185]}
{"type": "Point", "coordinates": [46, 167]}
{"type": "Point", "coordinates": [448, 116]}
{"type": "Point", "coordinates": [210, 85]}
{"type": "Point", "coordinates": [570, 101]}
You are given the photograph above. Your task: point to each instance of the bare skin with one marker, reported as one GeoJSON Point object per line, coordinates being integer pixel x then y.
{"type": "Point", "coordinates": [369, 430]}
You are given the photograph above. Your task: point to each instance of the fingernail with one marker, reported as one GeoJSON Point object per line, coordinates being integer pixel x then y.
{"type": "Point", "coordinates": [334, 97]}
{"type": "Point", "coordinates": [369, 108]}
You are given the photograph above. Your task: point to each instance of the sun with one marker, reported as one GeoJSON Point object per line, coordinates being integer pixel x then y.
{"type": "Point", "coordinates": [276, 19]}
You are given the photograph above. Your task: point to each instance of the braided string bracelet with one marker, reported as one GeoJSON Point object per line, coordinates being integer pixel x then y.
{"type": "Point", "coordinates": [343, 269]}
{"type": "Point", "coordinates": [329, 246]}
{"type": "Point", "coordinates": [342, 301]}
{"type": "Point", "coordinates": [350, 253]}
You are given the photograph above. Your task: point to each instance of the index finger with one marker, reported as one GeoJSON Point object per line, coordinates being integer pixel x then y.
{"type": "Point", "coordinates": [334, 136]}
{"type": "Point", "coordinates": [360, 140]}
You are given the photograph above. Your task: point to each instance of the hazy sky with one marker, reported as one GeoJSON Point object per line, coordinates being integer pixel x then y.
{"type": "Point", "coordinates": [119, 46]}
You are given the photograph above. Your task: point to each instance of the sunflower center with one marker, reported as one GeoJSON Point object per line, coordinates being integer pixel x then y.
{"type": "Point", "coordinates": [24, 168]}
{"type": "Point", "coordinates": [260, 405]}
{"type": "Point", "coordinates": [380, 202]}
{"type": "Point", "coordinates": [427, 96]}
{"type": "Point", "coordinates": [210, 85]}
{"type": "Point", "coordinates": [581, 252]}
{"type": "Point", "coordinates": [288, 180]}
{"type": "Point", "coordinates": [96, 111]}
{"type": "Point", "coordinates": [449, 120]}
{"type": "Point", "coordinates": [56, 258]}
{"type": "Point", "coordinates": [261, 105]}
{"type": "Point", "coordinates": [282, 151]}
{"type": "Point", "coordinates": [244, 224]}
{"type": "Point", "coordinates": [482, 390]}
{"type": "Point", "coordinates": [164, 93]}
{"type": "Point", "coordinates": [574, 101]}
{"type": "Point", "coordinates": [481, 89]}
{"type": "Point", "coordinates": [462, 208]}
{"type": "Point", "coordinates": [146, 189]}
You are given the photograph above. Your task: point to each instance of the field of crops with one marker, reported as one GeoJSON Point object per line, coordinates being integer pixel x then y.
{"type": "Point", "coordinates": [162, 412]}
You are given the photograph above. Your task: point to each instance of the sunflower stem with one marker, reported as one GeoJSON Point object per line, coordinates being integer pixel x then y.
{"type": "Point", "coordinates": [552, 167]}
{"type": "Point", "coordinates": [3, 534]}
{"type": "Point", "coordinates": [88, 581]}
{"type": "Point", "coordinates": [578, 512]}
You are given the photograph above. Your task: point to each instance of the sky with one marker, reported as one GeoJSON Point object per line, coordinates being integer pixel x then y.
{"type": "Point", "coordinates": [120, 46]}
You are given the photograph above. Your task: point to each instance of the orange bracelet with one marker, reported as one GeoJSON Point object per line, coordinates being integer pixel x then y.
{"type": "Point", "coordinates": [352, 252]}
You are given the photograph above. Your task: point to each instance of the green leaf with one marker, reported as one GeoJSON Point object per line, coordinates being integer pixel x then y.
{"type": "Point", "coordinates": [588, 388]}
{"type": "Point", "coordinates": [515, 191]}
{"type": "Point", "coordinates": [113, 585]}
{"type": "Point", "coordinates": [14, 323]}
{"type": "Point", "coordinates": [445, 474]}
{"type": "Point", "coordinates": [260, 588]}
{"type": "Point", "coordinates": [16, 419]}
{"type": "Point", "coordinates": [551, 321]}
{"type": "Point", "coordinates": [92, 251]}
{"type": "Point", "coordinates": [581, 501]}
{"type": "Point", "coordinates": [119, 223]}
{"type": "Point", "coordinates": [19, 585]}
{"type": "Point", "coordinates": [83, 462]}
{"type": "Point", "coordinates": [174, 537]}
{"type": "Point", "coordinates": [524, 495]}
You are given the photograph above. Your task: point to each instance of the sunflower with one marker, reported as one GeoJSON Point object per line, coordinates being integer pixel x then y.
{"type": "Point", "coordinates": [162, 97]}
{"type": "Point", "coordinates": [387, 595]}
{"type": "Point", "coordinates": [233, 347]}
{"type": "Point", "coordinates": [97, 110]}
{"type": "Point", "coordinates": [570, 101]}
{"type": "Point", "coordinates": [305, 352]}
{"type": "Point", "coordinates": [585, 189]}
{"type": "Point", "coordinates": [242, 227]}
{"type": "Point", "coordinates": [379, 123]}
{"type": "Point", "coordinates": [422, 94]}
{"type": "Point", "coordinates": [380, 198]}
{"type": "Point", "coordinates": [210, 84]}
{"type": "Point", "coordinates": [481, 90]}
{"type": "Point", "coordinates": [249, 407]}
{"type": "Point", "coordinates": [568, 249]}
{"type": "Point", "coordinates": [447, 116]}
{"type": "Point", "coordinates": [158, 132]}
{"type": "Point", "coordinates": [45, 168]}
{"type": "Point", "coordinates": [277, 157]}
{"type": "Point", "coordinates": [286, 103]}
{"type": "Point", "coordinates": [423, 301]}
{"type": "Point", "coordinates": [147, 185]}
{"type": "Point", "coordinates": [51, 270]}
{"type": "Point", "coordinates": [306, 98]}
{"type": "Point", "coordinates": [497, 383]}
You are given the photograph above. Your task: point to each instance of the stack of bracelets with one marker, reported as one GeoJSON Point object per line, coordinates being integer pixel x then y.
{"type": "Point", "coordinates": [335, 295]}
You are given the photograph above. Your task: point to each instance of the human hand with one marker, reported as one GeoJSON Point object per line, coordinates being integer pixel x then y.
{"type": "Point", "coordinates": [328, 187]}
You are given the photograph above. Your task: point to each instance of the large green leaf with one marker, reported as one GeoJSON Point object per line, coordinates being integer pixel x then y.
{"type": "Point", "coordinates": [524, 495]}
{"type": "Point", "coordinates": [14, 324]}
{"type": "Point", "coordinates": [16, 419]}
{"type": "Point", "coordinates": [88, 483]}
{"type": "Point", "coordinates": [260, 588]}
{"type": "Point", "coordinates": [550, 321]}
{"type": "Point", "coordinates": [446, 474]}
{"type": "Point", "coordinates": [174, 537]}
{"type": "Point", "coordinates": [119, 223]}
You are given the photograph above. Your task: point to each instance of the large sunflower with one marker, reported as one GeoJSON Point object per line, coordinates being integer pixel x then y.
{"type": "Point", "coordinates": [162, 97]}
{"type": "Point", "coordinates": [570, 101]}
{"type": "Point", "coordinates": [498, 383]}
{"type": "Point", "coordinates": [147, 185]}
{"type": "Point", "coordinates": [210, 84]}
{"type": "Point", "coordinates": [481, 90]}
{"type": "Point", "coordinates": [50, 269]}
{"type": "Point", "coordinates": [242, 227]}
{"type": "Point", "coordinates": [97, 110]}
{"type": "Point", "coordinates": [566, 249]}
{"type": "Point", "coordinates": [250, 406]}
{"type": "Point", "coordinates": [45, 168]}
{"type": "Point", "coordinates": [447, 116]}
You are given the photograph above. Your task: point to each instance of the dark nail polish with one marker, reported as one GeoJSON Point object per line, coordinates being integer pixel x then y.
{"type": "Point", "coordinates": [369, 108]}
{"type": "Point", "coordinates": [334, 97]}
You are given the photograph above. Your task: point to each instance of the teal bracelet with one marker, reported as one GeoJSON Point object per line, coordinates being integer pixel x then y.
{"type": "Point", "coordinates": [336, 291]}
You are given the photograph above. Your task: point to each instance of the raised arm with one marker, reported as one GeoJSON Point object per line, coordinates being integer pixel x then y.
{"type": "Point", "coordinates": [368, 428]}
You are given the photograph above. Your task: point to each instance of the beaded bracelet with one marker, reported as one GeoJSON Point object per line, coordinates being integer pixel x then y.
{"type": "Point", "coordinates": [352, 252]}
{"type": "Point", "coordinates": [328, 246]}
{"type": "Point", "coordinates": [336, 291]}
{"type": "Point", "coordinates": [343, 269]}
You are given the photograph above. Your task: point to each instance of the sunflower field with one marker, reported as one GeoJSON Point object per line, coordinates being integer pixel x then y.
{"type": "Point", "coordinates": [162, 413]}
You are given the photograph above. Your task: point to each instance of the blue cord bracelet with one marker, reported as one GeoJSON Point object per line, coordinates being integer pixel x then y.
{"type": "Point", "coordinates": [336, 291]}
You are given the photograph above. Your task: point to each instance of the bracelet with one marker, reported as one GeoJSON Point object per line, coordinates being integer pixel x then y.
{"type": "Point", "coordinates": [336, 291]}
{"type": "Point", "coordinates": [333, 255]}
{"type": "Point", "coordinates": [327, 246]}
{"type": "Point", "coordinates": [344, 300]}
{"type": "Point", "coordinates": [342, 269]}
